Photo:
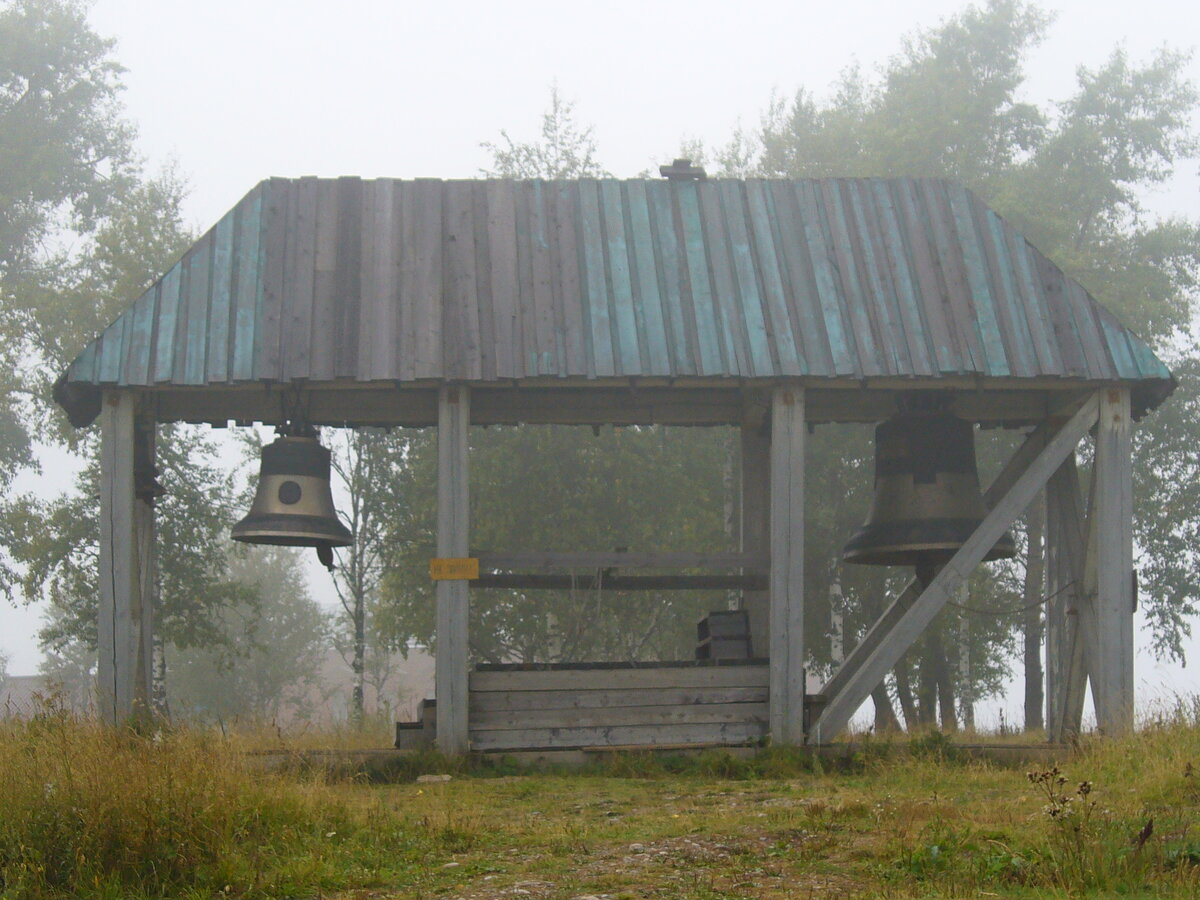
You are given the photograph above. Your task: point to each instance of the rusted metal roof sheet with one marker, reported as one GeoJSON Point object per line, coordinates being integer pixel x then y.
{"type": "Point", "coordinates": [483, 281]}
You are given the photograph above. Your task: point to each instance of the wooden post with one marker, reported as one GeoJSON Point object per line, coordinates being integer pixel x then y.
{"type": "Point", "coordinates": [1071, 641]}
{"type": "Point", "coordinates": [125, 630]}
{"type": "Point", "coordinates": [788, 431]}
{"type": "Point", "coordinates": [1112, 535]}
{"type": "Point", "coordinates": [452, 661]}
{"type": "Point", "coordinates": [1057, 583]}
{"type": "Point", "coordinates": [756, 518]}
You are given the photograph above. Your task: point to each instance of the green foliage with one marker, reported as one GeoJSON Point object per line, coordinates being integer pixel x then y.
{"type": "Point", "coordinates": [55, 543]}
{"type": "Point", "coordinates": [76, 294]}
{"type": "Point", "coordinates": [363, 463]}
{"type": "Point", "coordinates": [268, 658]}
{"type": "Point", "coordinates": [945, 106]}
{"type": "Point", "coordinates": [564, 149]}
{"type": "Point", "coordinates": [64, 145]}
{"type": "Point", "coordinates": [561, 488]}
{"type": "Point", "coordinates": [1166, 525]}
{"type": "Point", "coordinates": [1071, 176]}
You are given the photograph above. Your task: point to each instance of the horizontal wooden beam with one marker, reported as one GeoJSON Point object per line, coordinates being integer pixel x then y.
{"type": "Point", "coordinates": [593, 582]}
{"type": "Point", "coordinates": [549, 559]}
{"type": "Point", "coordinates": [381, 405]}
{"type": "Point", "coordinates": [691, 674]}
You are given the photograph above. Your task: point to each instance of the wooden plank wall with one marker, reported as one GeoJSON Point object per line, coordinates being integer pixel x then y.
{"type": "Point", "coordinates": [664, 706]}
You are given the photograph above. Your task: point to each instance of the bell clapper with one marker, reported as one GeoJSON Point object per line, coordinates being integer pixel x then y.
{"type": "Point", "coordinates": [325, 556]}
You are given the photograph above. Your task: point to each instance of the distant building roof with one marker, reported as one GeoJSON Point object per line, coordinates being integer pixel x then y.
{"type": "Point", "coordinates": [383, 280]}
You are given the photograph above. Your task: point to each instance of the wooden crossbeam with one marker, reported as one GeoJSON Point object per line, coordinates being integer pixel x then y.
{"type": "Point", "coordinates": [913, 622]}
{"type": "Point", "coordinates": [583, 560]}
{"type": "Point", "coordinates": [591, 581]}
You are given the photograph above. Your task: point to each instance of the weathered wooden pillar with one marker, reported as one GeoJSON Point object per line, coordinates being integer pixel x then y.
{"type": "Point", "coordinates": [756, 516]}
{"type": "Point", "coordinates": [125, 627]}
{"type": "Point", "coordinates": [452, 662]}
{"type": "Point", "coordinates": [1057, 582]}
{"type": "Point", "coordinates": [1112, 534]}
{"type": "Point", "coordinates": [1071, 641]}
{"type": "Point", "coordinates": [788, 431]}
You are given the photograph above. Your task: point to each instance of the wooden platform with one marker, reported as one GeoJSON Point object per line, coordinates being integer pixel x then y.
{"type": "Point", "coordinates": [709, 703]}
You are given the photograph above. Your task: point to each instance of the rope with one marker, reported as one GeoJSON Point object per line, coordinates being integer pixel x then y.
{"type": "Point", "coordinates": [996, 613]}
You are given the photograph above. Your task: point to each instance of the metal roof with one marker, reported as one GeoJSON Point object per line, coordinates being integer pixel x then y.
{"type": "Point", "coordinates": [493, 280]}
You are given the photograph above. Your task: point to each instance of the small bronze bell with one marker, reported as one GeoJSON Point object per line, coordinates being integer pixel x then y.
{"type": "Point", "coordinates": [293, 506]}
{"type": "Point", "coordinates": [927, 499]}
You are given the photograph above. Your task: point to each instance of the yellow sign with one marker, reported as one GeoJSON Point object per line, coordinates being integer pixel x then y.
{"type": "Point", "coordinates": [453, 569]}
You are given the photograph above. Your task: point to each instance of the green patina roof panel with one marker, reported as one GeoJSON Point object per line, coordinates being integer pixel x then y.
{"type": "Point", "coordinates": [483, 281]}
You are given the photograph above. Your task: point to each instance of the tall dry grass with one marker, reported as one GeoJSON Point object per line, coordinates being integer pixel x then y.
{"type": "Point", "coordinates": [93, 811]}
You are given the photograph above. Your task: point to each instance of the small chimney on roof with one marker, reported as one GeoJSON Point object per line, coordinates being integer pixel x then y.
{"type": "Point", "coordinates": [683, 170]}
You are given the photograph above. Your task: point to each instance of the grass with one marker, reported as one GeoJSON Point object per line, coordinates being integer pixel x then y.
{"type": "Point", "coordinates": [89, 812]}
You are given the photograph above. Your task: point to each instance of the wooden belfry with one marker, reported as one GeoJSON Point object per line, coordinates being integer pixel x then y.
{"type": "Point", "coordinates": [768, 305]}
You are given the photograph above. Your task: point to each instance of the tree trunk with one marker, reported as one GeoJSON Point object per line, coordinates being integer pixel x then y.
{"type": "Point", "coordinates": [945, 682]}
{"type": "Point", "coordinates": [1035, 568]}
{"type": "Point", "coordinates": [904, 694]}
{"type": "Point", "coordinates": [358, 665]}
{"type": "Point", "coordinates": [966, 689]}
{"type": "Point", "coordinates": [885, 715]}
{"type": "Point", "coordinates": [927, 681]}
{"type": "Point", "coordinates": [158, 686]}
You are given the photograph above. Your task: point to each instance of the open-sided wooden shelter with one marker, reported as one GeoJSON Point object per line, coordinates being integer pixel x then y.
{"type": "Point", "coordinates": [769, 305]}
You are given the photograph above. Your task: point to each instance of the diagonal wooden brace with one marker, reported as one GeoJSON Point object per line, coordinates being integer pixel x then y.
{"type": "Point", "coordinates": [1028, 473]}
{"type": "Point", "coordinates": [1079, 623]}
{"type": "Point", "coordinates": [886, 622]}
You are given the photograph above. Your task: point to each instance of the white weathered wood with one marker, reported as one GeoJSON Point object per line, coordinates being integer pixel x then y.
{"type": "Point", "coordinates": [945, 584]}
{"type": "Point", "coordinates": [146, 542]}
{"type": "Point", "coordinates": [1058, 581]}
{"type": "Point", "coordinates": [1072, 646]}
{"type": "Point", "coordinates": [517, 701]}
{"type": "Point", "coordinates": [788, 431]}
{"type": "Point", "coordinates": [452, 660]}
{"type": "Point", "coordinates": [620, 679]}
{"type": "Point", "coordinates": [585, 560]}
{"type": "Point", "coordinates": [124, 626]}
{"type": "Point", "coordinates": [617, 716]}
{"type": "Point", "coordinates": [1112, 538]}
{"type": "Point", "coordinates": [618, 736]}
{"type": "Point", "coordinates": [756, 520]}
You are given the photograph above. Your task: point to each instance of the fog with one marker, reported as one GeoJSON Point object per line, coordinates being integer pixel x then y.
{"type": "Point", "coordinates": [232, 92]}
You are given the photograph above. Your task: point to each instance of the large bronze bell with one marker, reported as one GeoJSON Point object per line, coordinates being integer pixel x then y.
{"type": "Point", "coordinates": [293, 506]}
{"type": "Point", "coordinates": [927, 500]}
